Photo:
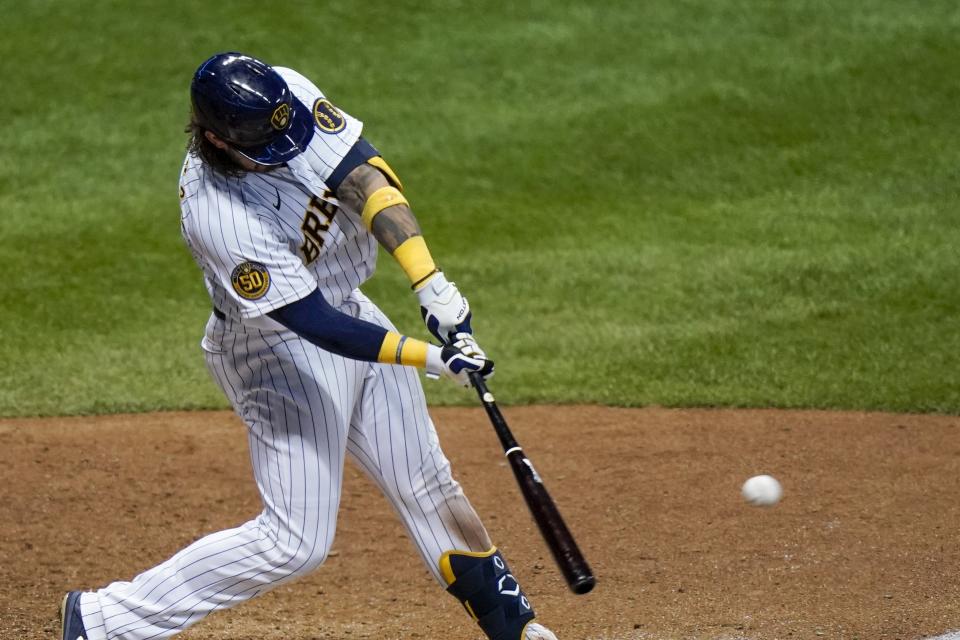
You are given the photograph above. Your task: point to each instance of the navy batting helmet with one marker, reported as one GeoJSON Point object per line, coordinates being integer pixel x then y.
{"type": "Point", "coordinates": [245, 102]}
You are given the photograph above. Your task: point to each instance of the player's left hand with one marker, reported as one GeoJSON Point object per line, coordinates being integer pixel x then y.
{"type": "Point", "coordinates": [458, 360]}
{"type": "Point", "coordinates": [445, 311]}
{"type": "Point", "coordinates": [464, 356]}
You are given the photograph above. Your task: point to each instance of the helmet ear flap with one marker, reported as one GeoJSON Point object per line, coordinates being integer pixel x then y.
{"type": "Point", "coordinates": [200, 118]}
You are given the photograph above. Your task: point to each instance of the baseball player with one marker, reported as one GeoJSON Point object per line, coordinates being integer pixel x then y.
{"type": "Point", "coordinates": [284, 204]}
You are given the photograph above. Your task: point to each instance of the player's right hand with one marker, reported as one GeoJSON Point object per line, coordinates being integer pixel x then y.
{"type": "Point", "coordinates": [459, 359]}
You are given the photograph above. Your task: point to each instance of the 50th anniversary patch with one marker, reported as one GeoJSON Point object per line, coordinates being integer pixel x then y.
{"type": "Point", "coordinates": [251, 280]}
{"type": "Point", "coordinates": [329, 119]}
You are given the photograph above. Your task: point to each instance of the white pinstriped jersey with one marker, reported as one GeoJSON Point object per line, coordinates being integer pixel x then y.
{"type": "Point", "coordinates": [264, 240]}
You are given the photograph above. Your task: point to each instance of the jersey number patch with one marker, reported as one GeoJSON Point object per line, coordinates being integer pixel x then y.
{"type": "Point", "coordinates": [250, 280]}
{"type": "Point", "coordinates": [315, 223]}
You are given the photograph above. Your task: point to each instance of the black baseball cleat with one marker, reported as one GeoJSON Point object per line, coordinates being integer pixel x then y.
{"type": "Point", "coordinates": [71, 622]}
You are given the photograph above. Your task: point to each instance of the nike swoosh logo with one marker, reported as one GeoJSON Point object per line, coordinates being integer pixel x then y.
{"type": "Point", "coordinates": [277, 206]}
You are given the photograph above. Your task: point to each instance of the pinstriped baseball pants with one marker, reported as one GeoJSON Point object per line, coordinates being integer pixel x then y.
{"type": "Point", "coordinates": [305, 409]}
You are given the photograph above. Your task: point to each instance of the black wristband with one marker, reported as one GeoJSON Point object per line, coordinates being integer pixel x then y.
{"type": "Point", "coordinates": [418, 282]}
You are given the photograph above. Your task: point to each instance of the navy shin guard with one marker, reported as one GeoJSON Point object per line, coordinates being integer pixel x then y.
{"type": "Point", "coordinates": [482, 582]}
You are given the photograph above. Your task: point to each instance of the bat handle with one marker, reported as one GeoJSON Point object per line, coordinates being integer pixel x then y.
{"type": "Point", "coordinates": [478, 383]}
{"type": "Point", "coordinates": [507, 440]}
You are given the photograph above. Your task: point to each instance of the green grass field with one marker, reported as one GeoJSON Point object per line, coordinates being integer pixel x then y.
{"type": "Point", "coordinates": [711, 202]}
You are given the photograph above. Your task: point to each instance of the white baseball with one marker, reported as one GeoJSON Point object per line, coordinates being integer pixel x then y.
{"type": "Point", "coordinates": [762, 491]}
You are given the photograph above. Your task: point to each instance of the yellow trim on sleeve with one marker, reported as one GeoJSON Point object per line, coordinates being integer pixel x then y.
{"type": "Point", "coordinates": [388, 348]}
{"type": "Point", "coordinates": [398, 349]}
{"type": "Point", "coordinates": [378, 201]}
{"type": "Point", "coordinates": [414, 353]}
{"type": "Point", "coordinates": [380, 163]}
{"type": "Point", "coordinates": [415, 259]}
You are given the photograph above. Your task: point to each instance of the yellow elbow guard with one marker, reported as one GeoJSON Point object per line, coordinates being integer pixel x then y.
{"type": "Point", "coordinates": [415, 259]}
{"type": "Point", "coordinates": [381, 164]}
{"type": "Point", "coordinates": [398, 349]}
{"type": "Point", "coordinates": [378, 201]}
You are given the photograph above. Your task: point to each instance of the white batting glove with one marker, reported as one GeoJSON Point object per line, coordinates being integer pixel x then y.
{"type": "Point", "coordinates": [458, 360]}
{"type": "Point", "coordinates": [444, 310]}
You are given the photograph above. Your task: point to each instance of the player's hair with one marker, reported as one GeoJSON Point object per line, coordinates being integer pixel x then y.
{"type": "Point", "coordinates": [215, 158]}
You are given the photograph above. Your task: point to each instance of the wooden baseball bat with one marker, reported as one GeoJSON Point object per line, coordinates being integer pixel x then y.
{"type": "Point", "coordinates": [564, 548]}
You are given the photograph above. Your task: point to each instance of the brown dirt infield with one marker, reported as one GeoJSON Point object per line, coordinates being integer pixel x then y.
{"type": "Point", "coordinates": [864, 544]}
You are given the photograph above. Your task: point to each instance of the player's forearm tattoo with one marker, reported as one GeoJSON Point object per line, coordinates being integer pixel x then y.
{"type": "Point", "coordinates": [359, 184]}
{"type": "Point", "coordinates": [394, 224]}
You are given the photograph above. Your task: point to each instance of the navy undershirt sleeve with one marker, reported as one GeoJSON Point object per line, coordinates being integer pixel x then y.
{"type": "Point", "coordinates": [359, 153]}
{"type": "Point", "coordinates": [315, 320]}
